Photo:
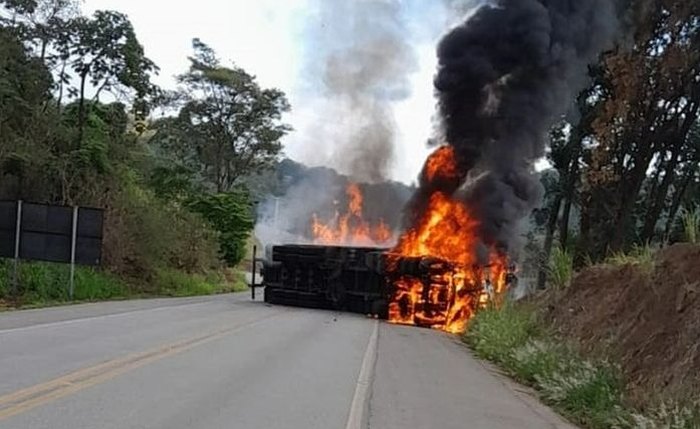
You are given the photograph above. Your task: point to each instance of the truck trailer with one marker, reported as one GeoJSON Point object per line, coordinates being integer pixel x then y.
{"type": "Point", "coordinates": [422, 291]}
{"type": "Point", "coordinates": [327, 277]}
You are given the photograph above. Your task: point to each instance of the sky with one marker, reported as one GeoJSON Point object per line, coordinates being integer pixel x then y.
{"type": "Point", "coordinates": [271, 40]}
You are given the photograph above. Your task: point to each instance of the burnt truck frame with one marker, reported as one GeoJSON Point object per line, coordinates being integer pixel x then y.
{"type": "Point", "coordinates": [357, 279]}
{"type": "Point", "coordinates": [327, 277]}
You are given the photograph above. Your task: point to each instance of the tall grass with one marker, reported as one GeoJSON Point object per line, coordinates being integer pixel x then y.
{"type": "Point", "coordinates": [179, 284]}
{"type": "Point", "coordinates": [691, 224]}
{"type": "Point", "coordinates": [43, 283]}
{"type": "Point", "coordinates": [641, 256]}
{"type": "Point", "coordinates": [494, 333]}
{"type": "Point", "coordinates": [589, 392]}
{"type": "Point", "coordinates": [664, 416]}
{"type": "Point", "coordinates": [560, 268]}
{"type": "Point", "coordinates": [585, 391]}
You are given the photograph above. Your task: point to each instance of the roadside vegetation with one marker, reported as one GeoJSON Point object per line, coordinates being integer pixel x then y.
{"type": "Point", "coordinates": [691, 225]}
{"type": "Point", "coordinates": [589, 391]}
{"type": "Point", "coordinates": [81, 123]}
{"type": "Point", "coordinates": [625, 169]}
{"type": "Point", "coordinates": [586, 392]}
{"type": "Point", "coordinates": [582, 345]}
{"type": "Point", "coordinates": [560, 268]}
{"type": "Point", "coordinates": [46, 284]}
{"type": "Point", "coordinates": [608, 333]}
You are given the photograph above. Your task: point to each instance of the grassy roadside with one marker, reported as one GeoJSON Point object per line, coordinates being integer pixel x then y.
{"type": "Point", "coordinates": [45, 284]}
{"type": "Point", "coordinates": [589, 391]}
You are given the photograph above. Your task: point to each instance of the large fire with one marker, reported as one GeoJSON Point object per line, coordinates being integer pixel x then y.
{"type": "Point", "coordinates": [351, 228]}
{"type": "Point", "coordinates": [441, 164]}
{"type": "Point", "coordinates": [445, 238]}
{"type": "Point", "coordinates": [436, 277]}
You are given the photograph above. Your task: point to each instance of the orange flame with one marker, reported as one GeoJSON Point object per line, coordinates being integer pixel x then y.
{"type": "Point", "coordinates": [457, 286]}
{"type": "Point", "coordinates": [356, 200]}
{"type": "Point", "coordinates": [351, 228]}
{"type": "Point", "coordinates": [442, 164]}
{"type": "Point", "coordinates": [445, 231]}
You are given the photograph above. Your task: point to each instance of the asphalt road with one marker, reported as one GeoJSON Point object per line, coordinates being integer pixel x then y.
{"type": "Point", "coordinates": [226, 362]}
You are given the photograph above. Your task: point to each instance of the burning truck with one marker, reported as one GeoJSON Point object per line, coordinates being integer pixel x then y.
{"type": "Point", "coordinates": [437, 274]}
{"type": "Point", "coordinates": [505, 75]}
{"type": "Point", "coordinates": [422, 291]}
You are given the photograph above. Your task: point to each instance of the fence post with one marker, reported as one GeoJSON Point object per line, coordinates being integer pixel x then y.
{"type": "Point", "coordinates": [74, 235]}
{"type": "Point", "coordinates": [15, 269]}
{"type": "Point", "coordinates": [252, 275]}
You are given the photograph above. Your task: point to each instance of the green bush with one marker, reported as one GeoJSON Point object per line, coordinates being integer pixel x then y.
{"type": "Point", "coordinates": [495, 333]}
{"type": "Point", "coordinates": [95, 285]}
{"type": "Point", "coordinates": [560, 268]}
{"type": "Point", "coordinates": [5, 278]}
{"type": "Point", "coordinates": [238, 281]}
{"type": "Point", "coordinates": [230, 214]}
{"type": "Point", "coordinates": [43, 282]}
{"type": "Point", "coordinates": [691, 224]}
{"type": "Point", "coordinates": [144, 233]}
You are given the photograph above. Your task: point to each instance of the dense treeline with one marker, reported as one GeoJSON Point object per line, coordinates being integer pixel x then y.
{"type": "Point", "coordinates": [76, 94]}
{"type": "Point", "coordinates": [628, 167]}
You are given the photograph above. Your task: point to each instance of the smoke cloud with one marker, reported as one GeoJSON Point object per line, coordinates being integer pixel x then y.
{"type": "Point", "coordinates": [504, 77]}
{"type": "Point", "coordinates": [360, 57]}
{"type": "Point", "coordinates": [304, 192]}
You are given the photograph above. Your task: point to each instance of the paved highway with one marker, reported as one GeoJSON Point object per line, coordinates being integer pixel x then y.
{"type": "Point", "coordinates": [226, 362]}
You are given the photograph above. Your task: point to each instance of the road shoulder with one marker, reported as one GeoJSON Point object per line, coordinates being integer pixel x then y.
{"type": "Point", "coordinates": [428, 379]}
{"type": "Point", "coordinates": [22, 319]}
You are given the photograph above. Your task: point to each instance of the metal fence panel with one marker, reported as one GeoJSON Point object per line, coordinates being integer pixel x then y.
{"type": "Point", "coordinates": [47, 231]}
{"type": "Point", "coordinates": [8, 215]}
{"type": "Point", "coordinates": [36, 246]}
{"type": "Point", "coordinates": [7, 244]}
{"type": "Point", "coordinates": [88, 251]}
{"type": "Point", "coordinates": [47, 219]}
{"type": "Point", "coordinates": [90, 222]}
{"type": "Point", "coordinates": [8, 226]}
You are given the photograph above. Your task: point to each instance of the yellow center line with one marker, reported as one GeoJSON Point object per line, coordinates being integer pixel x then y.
{"type": "Point", "coordinates": [31, 397]}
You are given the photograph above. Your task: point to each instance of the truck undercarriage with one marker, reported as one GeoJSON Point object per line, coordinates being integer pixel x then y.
{"type": "Point", "coordinates": [420, 291]}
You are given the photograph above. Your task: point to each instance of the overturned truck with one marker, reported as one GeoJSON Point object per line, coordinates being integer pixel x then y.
{"type": "Point", "coordinates": [327, 277]}
{"type": "Point", "coordinates": [421, 291]}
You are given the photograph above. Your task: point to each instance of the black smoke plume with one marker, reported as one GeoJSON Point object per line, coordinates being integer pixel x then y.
{"type": "Point", "coordinates": [504, 77]}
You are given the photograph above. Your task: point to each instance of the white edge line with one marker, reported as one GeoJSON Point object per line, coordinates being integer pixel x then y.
{"type": "Point", "coordinates": [93, 318]}
{"type": "Point", "coordinates": [359, 401]}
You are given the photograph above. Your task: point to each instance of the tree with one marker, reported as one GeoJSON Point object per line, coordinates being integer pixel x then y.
{"type": "Point", "coordinates": [16, 7]}
{"type": "Point", "coordinates": [25, 130]}
{"type": "Point", "coordinates": [641, 144]}
{"type": "Point", "coordinates": [231, 215]}
{"type": "Point", "coordinates": [106, 53]}
{"type": "Point", "coordinates": [227, 127]}
{"type": "Point", "coordinates": [46, 27]}
{"type": "Point", "coordinates": [60, 144]}
{"type": "Point", "coordinates": [552, 182]}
